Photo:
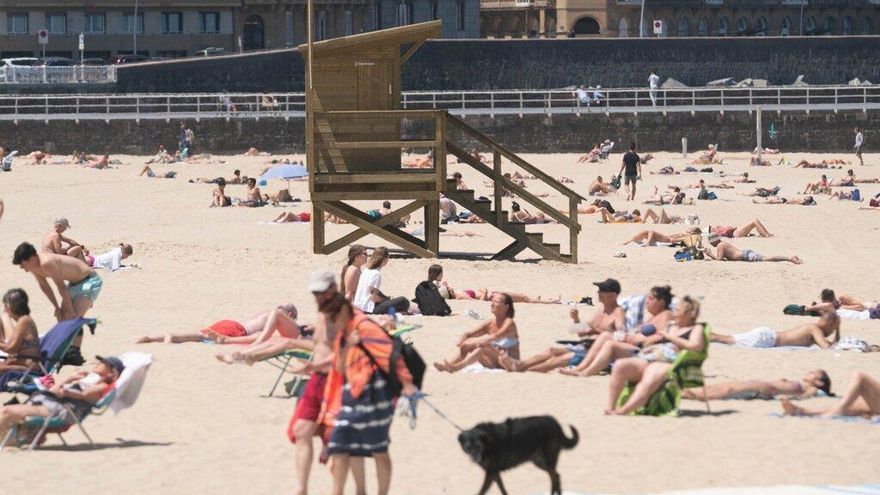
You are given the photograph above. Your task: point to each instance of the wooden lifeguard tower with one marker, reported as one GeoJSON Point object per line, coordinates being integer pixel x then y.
{"type": "Point", "coordinates": [354, 128]}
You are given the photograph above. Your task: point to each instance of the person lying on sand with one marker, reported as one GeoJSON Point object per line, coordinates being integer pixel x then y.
{"type": "Point", "coordinates": [662, 217]}
{"type": "Point", "coordinates": [592, 156]}
{"type": "Point", "coordinates": [828, 326]}
{"type": "Point", "coordinates": [850, 179]}
{"type": "Point", "coordinates": [766, 151]}
{"type": "Point", "coordinates": [802, 201]}
{"type": "Point", "coordinates": [701, 184]}
{"type": "Point", "coordinates": [518, 214]}
{"type": "Point", "coordinates": [822, 164]}
{"type": "Point", "coordinates": [763, 192]}
{"type": "Point", "coordinates": [725, 251]}
{"type": "Point", "coordinates": [54, 241]}
{"type": "Point", "coordinates": [652, 237]}
{"type": "Point", "coordinates": [744, 230]}
{"type": "Point", "coordinates": [831, 302]}
{"type": "Point", "coordinates": [151, 174]}
{"type": "Point", "coordinates": [591, 208]}
{"type": "Point", "coordinates": [39, 157]}
{"type": "Point", "coordinates": [862, 398]}
{"type": "Point", "coordinates": [256, 329]}
{"type": "Point", "coordinates": [811, 385]}
{"type": "Point", "coordinates": [743, 179]}
{"type": "Point", "coordinates": [673, 196]}
{"type": "Point", "coordinates": [620, 216]}
{"type": "Point", "coordinates": [846, 195]}
{"type": "Point", "coordinates": [485, 343]}
{"type": "Point", "coordinates": [111, 260]}
{"type": "Point", "coordinates": [291, 217]}
{"type": "Point", "coordinates": [102, 163]}
{"type": "Point", "coordinates": [235, 179]}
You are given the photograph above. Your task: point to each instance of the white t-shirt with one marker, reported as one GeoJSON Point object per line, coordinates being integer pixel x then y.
{"type": "Point", "coordinates": [110, 260]}
{"type": "Point", "coordinates": [654, 80]}
{"type": "Point", "coordinates": [582, 96]}
{"type": "Point", "coordinates": [370, 277]}
{"type": "Point", "coordinates": [859, 139]}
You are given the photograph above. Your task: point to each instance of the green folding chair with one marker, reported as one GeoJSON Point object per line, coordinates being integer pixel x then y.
{"type": "Point", "coordinates": [686, 372]}
{"type": "Point", "coordinates": [58, 424]}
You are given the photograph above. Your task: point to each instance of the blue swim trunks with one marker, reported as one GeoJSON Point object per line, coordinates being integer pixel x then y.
{"type": "Point", "coordinates": [579, 354]}
{"type": "Point", "coordinates": [88, 287]}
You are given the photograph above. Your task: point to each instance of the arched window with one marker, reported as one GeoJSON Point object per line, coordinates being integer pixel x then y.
{"type": "Point", "coordinates": [623, 28]}
{"type": "Point", "coordinates": [830, 25]}
{"type": "Point", "coordinates": [742, 26]}
{"type": "Point", "coordinates": [703, 27]}
{"type": "Point", "coordinates": [867, 25]}
{"type": "Point", "coordinates": [761, 26]}
{"type": "Point", "coordinates": [810, 25]}
{"type": "Point", "coordinates": [847, 26]}
{"type": "Point", "coordinates": [785, 27]}
{"type": "Point", "coordinates": [682, 27]}
{"type": "Point", "coordinates": [377, 15]}
{"type": "Point", "coordinates": [586, 25]}
{"type": "Point", "coordinates": [252, 33]}
{"type": "Point", "coordinates": [723, 26]}
{"type": "Point", "coordinates": [404, 13]}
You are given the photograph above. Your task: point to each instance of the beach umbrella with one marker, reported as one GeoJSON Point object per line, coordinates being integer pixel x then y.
{"type": "Point", "coordinates": [286, 172]}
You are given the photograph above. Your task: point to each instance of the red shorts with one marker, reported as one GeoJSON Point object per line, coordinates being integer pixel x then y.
{"type": "Point", "coordinates": [228, 328]}
{"type": "Point", "coordinates": [308, 407]}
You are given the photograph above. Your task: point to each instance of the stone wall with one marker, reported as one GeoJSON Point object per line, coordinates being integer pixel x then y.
{"type": "Point", "coordinates": [825, 132]}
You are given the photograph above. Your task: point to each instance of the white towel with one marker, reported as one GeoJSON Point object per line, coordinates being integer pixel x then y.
{"type": "Point", "coordinates": [854, 315]}
{"type": "Point", "coordinates": [130, 383]}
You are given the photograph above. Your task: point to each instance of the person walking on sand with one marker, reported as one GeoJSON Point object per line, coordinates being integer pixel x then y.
{"type": "Point", "coordinates": [631, 169]}
{"type": "Point", "coordinates": [654, 83]}
{"type": "Point", "coordinates": [857, 149]}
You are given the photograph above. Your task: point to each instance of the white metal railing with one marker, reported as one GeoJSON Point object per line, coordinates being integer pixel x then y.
{"type": "Point", "coordinates": [78, 74]}
{"type": "Point", "coordinates": [500, 102]}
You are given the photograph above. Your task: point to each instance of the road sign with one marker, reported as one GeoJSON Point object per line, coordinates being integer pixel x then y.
{"type": "Point", "coordinates": [82, 41]}
{"type": "Point", "coordinates": [43, 37]}
{"type": "Point", "coordinates": [658, 27]}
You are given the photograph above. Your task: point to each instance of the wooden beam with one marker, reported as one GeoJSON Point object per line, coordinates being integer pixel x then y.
{"type": "Point", "coordinates": [317, 229]}
{"type": "Point", "coordinates": [402, 176]}
{"type": "Point", "coordinates": [409, 114]}
{"type": "Point", "coordinates": [409, 53]}
{"type": "Point", "coordinates": [399, 35]}
{"type": "Point", "coordinates": [382, 222]}
{"type": "Point", "coordinates": [372, 195]}
{"type": "Point", "coordinates": [432, 225]}
{"type": "Point", "coordinates": [384, 144]}
{"type": "Point", "coordinates": [393, 235]}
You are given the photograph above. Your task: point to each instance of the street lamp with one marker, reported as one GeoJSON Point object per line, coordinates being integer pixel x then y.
{"type": "Point", "coordinates": [642, 21]}
{"type": "Point", "coordinates": [134, 35]}
{"type": "Point", "coordinates": [803, 2]}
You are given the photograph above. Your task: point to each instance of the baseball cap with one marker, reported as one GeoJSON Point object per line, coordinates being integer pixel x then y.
{"type": "Point", "coordinates": [62, 221]}
{"type": "Point", "coordinates": [608, 285]}
{"type": "Point", "coordinates": [321, 281]}
{"type": "Point", "coordinates": [113, 362]}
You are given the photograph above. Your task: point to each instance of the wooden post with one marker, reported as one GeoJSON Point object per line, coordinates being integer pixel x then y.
{"type": "Point", "coordinates": [432, 226]}
{"type": "Point", "coordinates": [317, 228]}
{"type": "Point", "coordinates": [440, 151]}
{"type": "Point", "coordinates": [496, 162]}
{"type": "Point", "coordinates": [573, 230]}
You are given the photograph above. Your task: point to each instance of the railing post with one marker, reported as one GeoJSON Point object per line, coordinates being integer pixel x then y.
{"type": "Point", "coordinates": [496, 166]}
{"type": "Point", "coordinates": [77, 105]}
{"type": "Point", "coordinates": [198, 106]}
{"type": "Point", "coordinates": [107, 104]}
{"type": "Point", "coordinates": [573, 228]}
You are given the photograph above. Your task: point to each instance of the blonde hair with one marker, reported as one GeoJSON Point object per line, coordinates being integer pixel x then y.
{"type": "Point", "coordinates": [380, 254]}
{"type": "Point", "coordinates": [690, 306]}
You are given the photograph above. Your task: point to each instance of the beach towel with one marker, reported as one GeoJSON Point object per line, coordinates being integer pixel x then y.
{"type": "Point", "coordinates": [854, 315]}
{"type": "Point", "coordinates": [129, 385]}
{"type": "Point", "coordinates": [634, 306]}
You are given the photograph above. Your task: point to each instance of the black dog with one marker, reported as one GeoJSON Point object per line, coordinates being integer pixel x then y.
{"type": "Point", "coordinates": [497, 447]}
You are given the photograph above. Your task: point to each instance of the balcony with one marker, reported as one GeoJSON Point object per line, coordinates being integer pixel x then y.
{"type": "Point", "coordinates": [516, 4]}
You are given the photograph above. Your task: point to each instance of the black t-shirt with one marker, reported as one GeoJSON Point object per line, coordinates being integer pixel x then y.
{"type": "Point", "coordinates": [631, 162]}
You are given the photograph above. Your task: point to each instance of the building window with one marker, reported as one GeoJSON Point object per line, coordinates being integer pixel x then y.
{"type": "Point", "coordinates": [460, 14]}
{"type": "Point", "coordinates": [404, 14]}
{"type": "Point", "coordinates": [209, 22]}
{"type": "Point", "coordinates": [95, 23]}
{"type": "Point", "coordinates": [761, 27]}
{"type": "Point", "coordinates": [623, 28]}
{"type": "Point", "coordinates": [56, 23]}
{"type": "Point", "coordinates": [785, 29]}
{"type": "Point", "coordinates": [830, 25]}
{"type": "Point", "coordinates": [17, 23]}
{"type": "Point", "coordinates": [377, 15]}
{"type": "Point", "coordinates": [434, 6]}
{"type": "Point", "coordinates": [172, 22]}
{"type": "Point", "coordinates": [288, 27]}
{"type": "Point", "coordinates": [742, 27]}
{"type": "Point", "coordinates": [703, 27]}
{"type": "Point", "coordinates": [867, 25]}
{"type": "Point", "coordinates": [321, 26]}
{"type": "Point", "coordinates": [847, 26]}
{"type": "Point", "coordinates": [723, 26]}
{"type": "Point", "coordinates": [682, 27]}
{"type": "Point", "coordinates": [349, 23]}
{"type": "Point", "coordinates": [128, 22]}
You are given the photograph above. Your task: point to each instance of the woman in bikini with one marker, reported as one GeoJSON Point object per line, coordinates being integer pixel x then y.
{"type": "Point", "coordinates": [811, 385]}
{"type": "Point", "coordinates": [23, 343]}
{"type": "Point", "coordinates": [351, 272]}
{"type": "Point", "coordinates": [523, 216]}
{"type": "Point", "coordinates": [485, 343]}
{"type": "Point", "coordinates": [862, 398]}
{"type": "Point", "coordinates": [435, 275]}
{"type": "Point", "coordinates": [610, 346]}
{"type": "Point", "coordinates": [652, 237]}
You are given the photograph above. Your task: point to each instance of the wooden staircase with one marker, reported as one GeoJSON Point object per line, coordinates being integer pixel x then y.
{"type": "Point", "coordinates": [493, 213]}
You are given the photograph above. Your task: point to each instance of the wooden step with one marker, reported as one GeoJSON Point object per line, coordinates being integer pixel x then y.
{"type": "Point", "coordinates": [553, 246]}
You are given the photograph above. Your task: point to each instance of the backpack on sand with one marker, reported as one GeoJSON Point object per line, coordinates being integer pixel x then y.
{"type": "Point", "coordinates": [429, 300]}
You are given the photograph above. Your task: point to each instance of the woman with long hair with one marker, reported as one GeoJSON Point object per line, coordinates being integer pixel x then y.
{"type": "Point", "coordinates": [485, 343]}
{"type": "Point", "coordinates": [351, 272]}
{"type": "Point", "coordinates": [368, 297]}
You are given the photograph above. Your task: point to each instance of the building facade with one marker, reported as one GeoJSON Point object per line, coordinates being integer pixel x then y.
{"type": "Point", "coordinates": [177, 28]}
{"type": "Point", "coordinates": [684, 18]}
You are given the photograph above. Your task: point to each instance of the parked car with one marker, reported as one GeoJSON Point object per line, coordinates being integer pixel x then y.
{"type": "Point", "coordinates": [57, 62]}
{"type": "Point", "coordinates": [94, 61]}
{"type": "Point", "coordinates": [129, 58]}
{"type": "Point", "coordinates": [20, 61]}
{"type": "Point", "coordinates": [210, 51]}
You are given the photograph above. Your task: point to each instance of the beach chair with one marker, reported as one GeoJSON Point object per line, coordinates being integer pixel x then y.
{"type": "Point", "coordinates": [605, 150]}
{"type": "Point", "coordinates": [57, 424]}
{"type": "Point", "coordinates": [686, 372]}
{"type": "Point", "coordinates": [54, 346]}
{"type": "Point", "coordinates": [6, 163]}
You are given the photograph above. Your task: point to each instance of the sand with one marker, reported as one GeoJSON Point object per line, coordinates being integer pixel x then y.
{"type": "Point", "coordinates": [203, 427]}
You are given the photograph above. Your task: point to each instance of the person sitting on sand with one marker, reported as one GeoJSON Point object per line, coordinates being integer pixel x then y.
{"type": "Point", "coordinates": [600, 188]}
{"type": "Point", "coordinates": [102, 163]}
{"type": "Point", "coordinates": [850, 180]}
{"type": "Point", "coordinates": [805, 335]}
{"type": "Point", "coordinates": [618, 345]}
{"type": "Point", "coordinates": [710, 156]}
{"type": "Point", "coordinates": [831, 302]}
{"type": "Point", "coordinates": [161, 156]}
{"type": "Point", "coordinates": [862, 399]}
{"type": "Point", "coordinates": [812, 384]}
{"type": "Point", "coordinates": [485, 343]}
{"type": "Point", "coordinates": [22, 342]}
{"type": "Point", "coordinates": [435, 275]}
{"type": "Point", "coordinates": [652, 237]}
{"type": "Point", "coordinates": [673, 196]}
{"type": "Point", "coordinates": [846, 195]}
{"type": "Point", "coordinates": [592, 156]}
{"type": "Point", "coordinates": [254, 198]}
{"type": "Point", "coordinates": [725, 251]}
{"type": "Point", "coordinates": [774, 200]}
{"type": "Point", "coordinates": [219, 197]}
{"type": "Point", "coordinates": [77, 392]}
{"type": "Point", "coordinates": [256, 329]}
{"type": "Point", "coordinates": [111, 260]}
{"type": "Point", "coordinates": [620, 216]}
{"type": "Point", "coordinates": [820, 187]}
{"type": "Point", "coordinates": [518, 214]}
{"type": "Point", "coordinates": [757, 161]}
{"type": "Point", "coordinates": [54, 241]}
{"type": "Point", "coordinates": [650, 368]}
{"type": "Point", "coordinates": [151, 174]}
{"type": "Point", "coordinates": [459, 183]}
{"type": "Point", "coordinates": [744, 230]}
{"type": "Point", "coordinates": [39, 157]}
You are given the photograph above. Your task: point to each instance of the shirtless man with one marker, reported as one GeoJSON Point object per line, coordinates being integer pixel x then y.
{"type": "Point", "coordinates": [459, 183]}
{"type": "Point", "coordinates": [850, 179]}
{"type": "Point", "coordinates": [612, 318]}
{"type": "Point", "coordinates": [701, 184]}
{"type": "Point", "coordinates": [103, 162]}
{"type": "Point", "coordinates": [725, 251]}
{"type": "Point", "coordinates": [600, 188]}
{"type": "Point", "coordinates": [303, 425]}
{"type": "Point", "coordinates": [254, 197]}
{"type": "Point", "coordinates": [832, 302]}
{"type": "Point", "coordinates": [775, 200]}
{"type": "Point", "coordinates": [820, 187]}
{"type": "Point", "coordinates": [55, 240]}
{"type": "Point", "coordinates": [804, 335]}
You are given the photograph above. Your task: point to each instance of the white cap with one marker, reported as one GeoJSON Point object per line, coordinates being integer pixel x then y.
{"type": "Point", "coordinates": [321, 281]}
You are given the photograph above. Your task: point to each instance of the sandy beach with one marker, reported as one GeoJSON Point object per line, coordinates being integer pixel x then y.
{"type": "Point", "coordinates": [203, 427]}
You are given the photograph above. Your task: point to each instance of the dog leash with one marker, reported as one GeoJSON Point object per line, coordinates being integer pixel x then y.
{"type": "Point", "coordinates": [413, 401]}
